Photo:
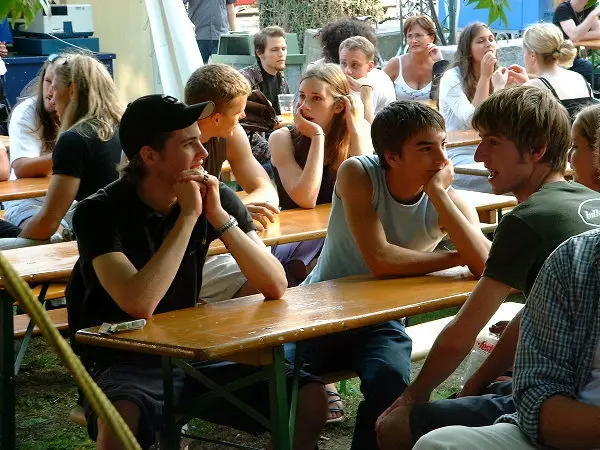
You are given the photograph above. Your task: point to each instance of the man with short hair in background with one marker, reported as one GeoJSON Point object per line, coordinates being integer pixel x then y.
{"type": "Point", "coordinates": [267, 76]}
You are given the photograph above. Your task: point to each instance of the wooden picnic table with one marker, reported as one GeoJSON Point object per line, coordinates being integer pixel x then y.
{"type": "Point", "coordinates": [253, 330]}
{"type": "Point", "coordinates": [22, 188]}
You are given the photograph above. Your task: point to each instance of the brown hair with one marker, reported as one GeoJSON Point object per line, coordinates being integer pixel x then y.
{"type": "Point", "coordinates": [424, 22]}
{"type": "Point", "coordinates": [218, 83]}
{"type": "Point", "coordinates": [337, 141]}
{"type": "Point", "coordinates": [95, 102]}
{"type": "Point", "coordinates": [47, 124]}
{"type": "Point", "coordinates": [530, 117]}
{"type": "Point", "coordinates": [587, 122]}
{"type": "Point", "coordinates": [398, 122]}
{"type": "Point", "coordinates": [464, 60]}
{"type": "Point", "coordinates": [260, 38]}
{"type": "Point", "coordinates": [333, 33]}
{"type": "Point", "coordinates": [359, 43]}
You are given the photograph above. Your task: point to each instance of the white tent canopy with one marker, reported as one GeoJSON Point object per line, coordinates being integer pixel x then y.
{"type": "Point", "coordinates": [177, 54]}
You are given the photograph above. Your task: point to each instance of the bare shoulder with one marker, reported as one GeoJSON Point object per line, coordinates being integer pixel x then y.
{"type": "Point", "coordinates": [352, 179]}
{"type": "Point", "coordinates": [392, 66]}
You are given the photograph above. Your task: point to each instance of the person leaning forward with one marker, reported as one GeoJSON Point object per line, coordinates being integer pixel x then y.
{"type": "Point", "coordinates": [142, 242]}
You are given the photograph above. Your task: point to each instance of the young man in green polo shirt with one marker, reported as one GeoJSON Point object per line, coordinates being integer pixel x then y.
{"type": "Point", "coordinates": [525, 140]}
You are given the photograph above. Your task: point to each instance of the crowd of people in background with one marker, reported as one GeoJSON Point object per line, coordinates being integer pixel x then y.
{"type": "Point", "coordinates": [139, 188]}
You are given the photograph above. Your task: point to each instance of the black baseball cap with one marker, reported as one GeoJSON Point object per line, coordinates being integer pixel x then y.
{"type": "Point", "coordinates": [147, 116]}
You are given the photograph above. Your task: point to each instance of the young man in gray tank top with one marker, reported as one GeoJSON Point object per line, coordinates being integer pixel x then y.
{"type": "Point", "coordinates": [525, 139]}
{"type": "Point", "coordinates": [225, 139]}
{"type": "Point", "coordinates": [387, 217]}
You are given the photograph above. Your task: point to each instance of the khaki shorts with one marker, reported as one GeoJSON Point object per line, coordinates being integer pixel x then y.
{"type": "Point", "coordinates": [221, 278]}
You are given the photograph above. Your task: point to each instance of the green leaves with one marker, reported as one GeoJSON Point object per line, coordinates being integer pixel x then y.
{"type": "Point", "coordinates": [26, 9]}
{"type": "Point", "coordinates": [496, 9]}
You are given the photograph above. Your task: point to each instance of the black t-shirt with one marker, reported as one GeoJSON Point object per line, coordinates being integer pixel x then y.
{"type": "Point", "coordinates": [271, 89]}
{"type": "Point", "coordinates": [565, 11]}
{"type": "Point", "coordinates": [116, 220]}
{"type": "Point", "coordinates": [80, 153]}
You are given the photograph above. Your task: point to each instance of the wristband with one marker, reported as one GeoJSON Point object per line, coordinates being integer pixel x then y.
{"type": "Point", "coordinates": [318, 134]}
{"type": "Point", "coordinates": [232, 222]}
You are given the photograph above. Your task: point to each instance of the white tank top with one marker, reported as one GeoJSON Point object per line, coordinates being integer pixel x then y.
{"type": "Point", "coordinates": [405, 92]}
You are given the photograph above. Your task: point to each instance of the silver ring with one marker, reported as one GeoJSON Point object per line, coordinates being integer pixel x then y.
{"type": "Point", "coordinates": [205, 179]}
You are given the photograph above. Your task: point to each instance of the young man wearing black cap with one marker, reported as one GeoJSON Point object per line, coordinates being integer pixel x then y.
{"type": "Point", "coordinates": [142, 242]}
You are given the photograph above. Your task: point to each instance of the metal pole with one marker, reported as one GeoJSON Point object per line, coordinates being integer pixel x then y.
{"type": "Point", "coordinates": [7, 375]}
{"type": "Point", "coordinates": [452, 21]}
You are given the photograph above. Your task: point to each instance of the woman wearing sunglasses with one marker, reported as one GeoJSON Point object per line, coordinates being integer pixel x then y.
{"type": "Point", "coordinates": [87, 151]}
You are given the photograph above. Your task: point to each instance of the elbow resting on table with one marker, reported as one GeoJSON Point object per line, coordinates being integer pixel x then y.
{"type": "Point", "coordinates": [275, 289]}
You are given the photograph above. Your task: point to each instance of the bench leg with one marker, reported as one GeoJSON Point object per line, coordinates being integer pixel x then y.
{"type": "Point", "coordinates": [28, 332]}
{"type": "Point", "coordinates": [279, 406]}
{"type": "Point", "coordinates": [7, 376]}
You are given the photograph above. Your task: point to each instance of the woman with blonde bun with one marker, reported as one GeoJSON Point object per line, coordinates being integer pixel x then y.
{"type": "Point", "coordinates": [546, 54]}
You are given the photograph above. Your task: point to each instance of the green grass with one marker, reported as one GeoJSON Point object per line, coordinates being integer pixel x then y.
{"type": "Point", "coordinates": [46, 394]}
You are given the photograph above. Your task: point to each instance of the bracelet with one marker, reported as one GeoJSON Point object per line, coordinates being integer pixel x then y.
{"type": "Point", "coordinates": [318, 134]}
{"type": "Point", "coordinates": [232, 222]}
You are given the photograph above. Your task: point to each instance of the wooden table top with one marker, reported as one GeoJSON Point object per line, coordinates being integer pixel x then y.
{"type": "Point", "coordinates": [293, 225]}
{"type": "Point", "coordinates": [478, 169]}
{"type": "Point", "coordinates": [51, 262]}
{"type": "Point", "coordinates": [252, 323]}
{"type": "Point", "coordinates": [592, 44]}
{"type": "Point", "coordinates": [23, 188]}
{"type": "Point", "coordinates": [488, 202]}
{"type": "Point", "coordinates": [461, 138]}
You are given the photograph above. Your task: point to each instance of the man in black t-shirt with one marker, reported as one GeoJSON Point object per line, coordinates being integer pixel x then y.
{"type": "Point", "coordinates": [578, 23]}
{"type": "Point", "coordinates": [142, 242]}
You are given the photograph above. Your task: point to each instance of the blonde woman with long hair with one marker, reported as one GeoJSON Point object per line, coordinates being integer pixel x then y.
{"type": "Point", "coordinates": [87, 151]}
{"type": "Point", "coordinates": [327, 126]}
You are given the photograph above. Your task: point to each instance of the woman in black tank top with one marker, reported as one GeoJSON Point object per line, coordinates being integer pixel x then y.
{"type": "Point", "coordinates": [326, 131]}
{"type": "Point", "coordinates": [546, 52]}
{"type": "Point", "coordinates": [307, 155]}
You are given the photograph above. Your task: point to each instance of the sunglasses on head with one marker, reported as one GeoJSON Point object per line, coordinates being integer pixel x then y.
{"type": "Point", "coordinates": [54, 56]}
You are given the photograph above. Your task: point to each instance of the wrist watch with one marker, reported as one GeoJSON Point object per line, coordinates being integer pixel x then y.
{"type": "Point", "coordinates": [232, 222]}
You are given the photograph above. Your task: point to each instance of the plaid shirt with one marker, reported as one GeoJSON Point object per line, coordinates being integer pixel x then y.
{"type": "Point", "coordinates": [560, 331]}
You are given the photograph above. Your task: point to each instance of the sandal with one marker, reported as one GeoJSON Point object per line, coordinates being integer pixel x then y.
{"type": "Point", "coordinates": [334, 397]}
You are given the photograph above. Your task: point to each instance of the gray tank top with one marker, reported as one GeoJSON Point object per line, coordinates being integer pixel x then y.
{"type": "Point", "coordinates": [413, 226]}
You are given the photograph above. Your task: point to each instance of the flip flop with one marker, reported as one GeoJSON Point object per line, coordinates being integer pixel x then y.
{"type": "Point", "coordinates": [334, 397]}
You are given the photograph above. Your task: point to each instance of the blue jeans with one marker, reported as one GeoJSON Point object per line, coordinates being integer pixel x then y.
{"type": "Point", "coordinates": [475, 411]}
{"type": "Point", "coordinates": [207, 47]}
{"type": "Point", "coordinates": [380, 355]}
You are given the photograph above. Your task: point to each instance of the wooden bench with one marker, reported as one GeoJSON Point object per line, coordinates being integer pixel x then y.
{"type": "Point", "coordinates": [58, 316]}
